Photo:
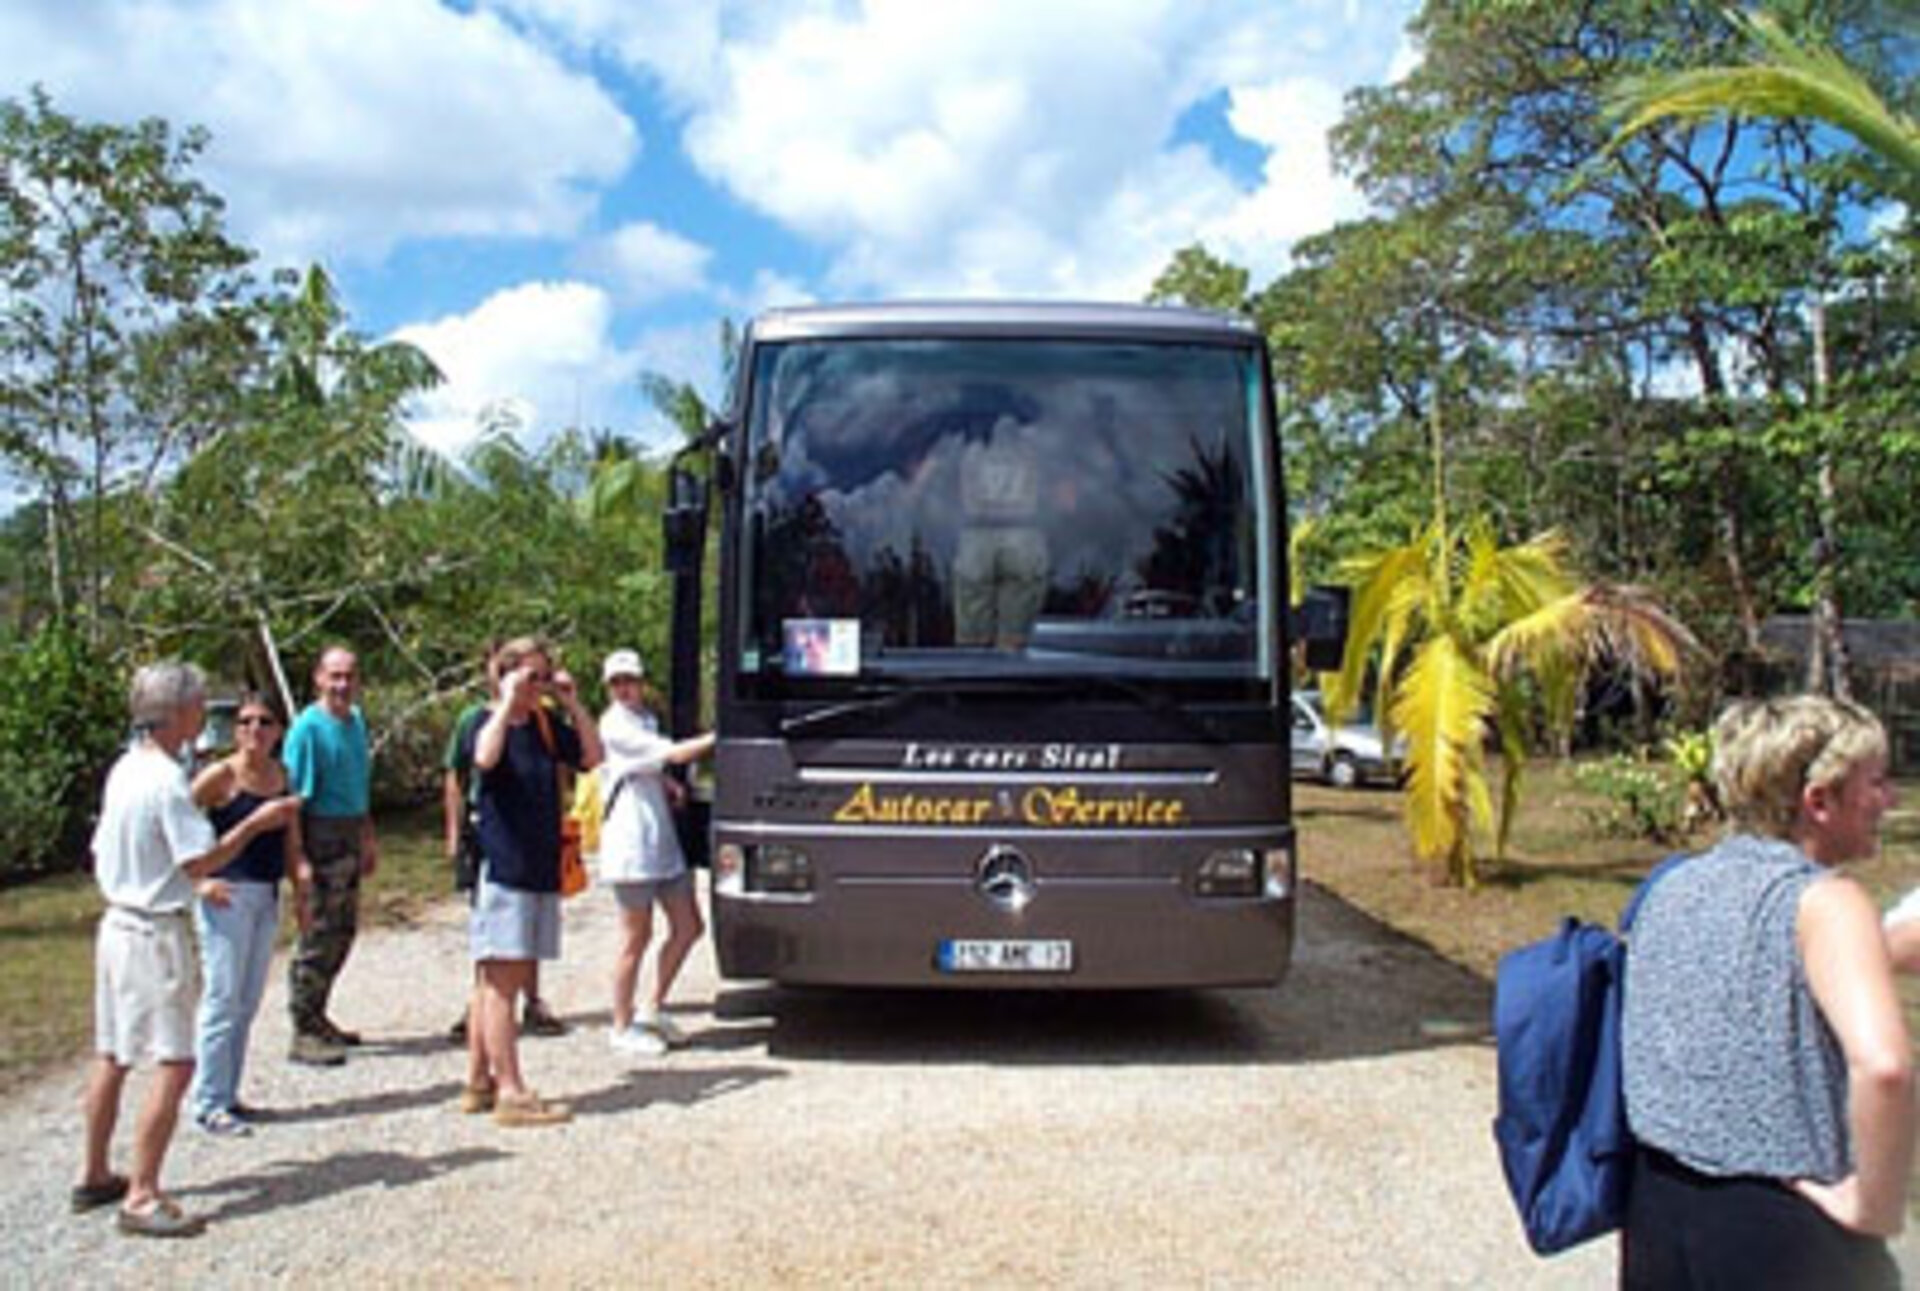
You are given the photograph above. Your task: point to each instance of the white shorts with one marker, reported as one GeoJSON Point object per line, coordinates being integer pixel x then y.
{"type": "Point", "coordinates": [146, 986]}
{"type": "Point", "coordinates": [640, 894]}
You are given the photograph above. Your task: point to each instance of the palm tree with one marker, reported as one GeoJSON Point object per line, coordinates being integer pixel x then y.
{"type": "Point", "coordinates": [1461, 625]}
{"type": "Point", "coordinates": [1788, 78]}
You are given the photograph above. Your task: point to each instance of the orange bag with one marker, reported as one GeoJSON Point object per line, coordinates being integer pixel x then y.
{"type": "Point", "coordinates": [573, 866]}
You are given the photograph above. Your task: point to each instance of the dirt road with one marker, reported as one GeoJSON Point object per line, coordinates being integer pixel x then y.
{"type": "Point", "coordinates": [1331, 1133]}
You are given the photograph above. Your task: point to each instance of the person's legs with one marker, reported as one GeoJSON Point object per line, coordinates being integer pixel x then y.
{"type": "Point", "coordinates": [101, 1104]}
{"type": "Point", "coordinates": [636, 928]}
{"type": "Point", "coordinates": [261, 921]}
{"type": "Point", "coordinates": [684, 928]}
{"type": "Point", "coordinates": [322, 949]}
{"type": "Point", "coordinates": [153, 1131]}
{"type": "Point", "coordinates": [501, 982]}
{"type": "Point", "coordinates": [216, 1064]}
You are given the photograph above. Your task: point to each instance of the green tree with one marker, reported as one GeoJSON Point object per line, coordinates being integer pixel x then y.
{"type": "Point", "coordinates": [122, 325]}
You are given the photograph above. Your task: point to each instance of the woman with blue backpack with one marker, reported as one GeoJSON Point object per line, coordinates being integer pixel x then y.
{"type": "Point", "coordinates": [1767, 1068]}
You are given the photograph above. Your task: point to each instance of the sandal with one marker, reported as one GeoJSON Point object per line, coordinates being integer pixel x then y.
{"type": "Point", "coordinates": [528, 1111]}
{"type": "Point", "coordinates": [476, 1100]}
{"type": "Point", "coordinates": [92, 1196]}
{"type": "Point", "coordinates": [165, 1219]}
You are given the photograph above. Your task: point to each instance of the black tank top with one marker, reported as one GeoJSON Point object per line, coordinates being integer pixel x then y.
{"type": "Point", "coordinates": [264, 858]}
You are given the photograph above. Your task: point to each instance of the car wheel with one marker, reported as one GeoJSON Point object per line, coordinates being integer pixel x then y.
{"type": "Point", "coordinates": [1343, 772]}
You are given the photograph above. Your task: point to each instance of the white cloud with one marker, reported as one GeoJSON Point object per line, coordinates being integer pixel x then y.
{"type": "Point", "coordinates": [644, 262]}
{"type": "Point", "coordinates": [998, 147]}
{"type": "Point", "coordinates": [1299, 193]}
{"type": "Point", "coordinates": [341, 129]}
{"type": "Point", "coordinates": [544, 349]}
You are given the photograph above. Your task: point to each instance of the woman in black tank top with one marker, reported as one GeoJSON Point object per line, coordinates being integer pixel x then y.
{"type": "Point", "coordinates": [238, 910]}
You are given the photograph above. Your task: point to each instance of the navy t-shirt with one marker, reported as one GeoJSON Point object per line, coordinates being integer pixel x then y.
{"type": "Point", "coordinates": [520, 804]}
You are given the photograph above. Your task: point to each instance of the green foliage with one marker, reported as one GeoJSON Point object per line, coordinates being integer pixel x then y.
{"type": "Point", "coordinates": [121, 326]}
{"type": "Point", "coordinates": [62, 719]}
{"type": "Point", "coordinates": [1639, 798]}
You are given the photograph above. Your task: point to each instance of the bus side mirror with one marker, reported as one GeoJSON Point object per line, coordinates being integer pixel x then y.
{"type": "Point", "coordinates": [684, 522]}
{"type": "Point", "coordinates": [1320, 627]}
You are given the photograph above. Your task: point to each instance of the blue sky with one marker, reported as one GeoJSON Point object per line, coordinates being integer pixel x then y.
{"type": "Point", "coordinates": [554, 196]}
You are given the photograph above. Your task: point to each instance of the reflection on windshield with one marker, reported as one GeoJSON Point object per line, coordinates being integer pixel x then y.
{"type": "Point", "coordinates": [959, 506]}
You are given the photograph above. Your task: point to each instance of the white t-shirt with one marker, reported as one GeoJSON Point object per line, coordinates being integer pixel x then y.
{"type": "Point", "coordinates": [148, 828]}
{"type": "Point", "coordinates": [637, 841]}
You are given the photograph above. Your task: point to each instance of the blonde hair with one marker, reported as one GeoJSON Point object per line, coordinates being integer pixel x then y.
{"type": "Point", "coordinates": [1767, 753]}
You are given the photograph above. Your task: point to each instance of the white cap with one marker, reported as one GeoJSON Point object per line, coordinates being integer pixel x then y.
{"type": "Point", "coordinates": [622, 663]}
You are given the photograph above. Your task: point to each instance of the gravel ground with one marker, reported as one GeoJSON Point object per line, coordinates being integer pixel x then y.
{"type": "Point", "coordinates": [1332, 1132]}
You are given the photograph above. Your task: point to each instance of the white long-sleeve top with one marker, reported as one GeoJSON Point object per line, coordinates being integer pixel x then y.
{"type": "Point", "coordinates": [637, 839]}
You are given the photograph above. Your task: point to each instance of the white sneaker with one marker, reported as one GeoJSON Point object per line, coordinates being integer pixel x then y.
{"type": "Point", "coordinates": [663, 1026]}
{"type": "Point", "coordinates": [636, 1042]}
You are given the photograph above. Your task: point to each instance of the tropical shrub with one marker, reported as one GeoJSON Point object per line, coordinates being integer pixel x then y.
{"type": "Point", "coordinates": [62, 719]}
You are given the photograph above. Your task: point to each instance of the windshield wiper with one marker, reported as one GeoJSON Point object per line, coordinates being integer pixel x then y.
{"type": "Point", "coordinates": [865, 704]}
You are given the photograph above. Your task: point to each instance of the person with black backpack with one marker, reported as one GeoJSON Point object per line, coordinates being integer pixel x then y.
{"type": "Point", "coordinates": [1767, 1069]}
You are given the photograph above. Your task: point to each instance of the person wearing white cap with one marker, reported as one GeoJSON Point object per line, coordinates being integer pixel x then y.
{"type": "Point", "coordinates": [640, 857]}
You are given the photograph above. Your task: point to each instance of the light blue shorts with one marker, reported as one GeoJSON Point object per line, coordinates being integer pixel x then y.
{"type": "Point", "coordinates": [508, 923]}
{"type": "Point", "coordinates": [639, 894]}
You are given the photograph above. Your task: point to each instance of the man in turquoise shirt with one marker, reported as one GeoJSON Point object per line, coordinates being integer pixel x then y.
{"type": "Point", "coordinates": [329, 765]}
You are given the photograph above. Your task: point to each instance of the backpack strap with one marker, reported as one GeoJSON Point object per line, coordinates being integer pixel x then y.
{"type": "Point", "coordinates": [1659, 872]}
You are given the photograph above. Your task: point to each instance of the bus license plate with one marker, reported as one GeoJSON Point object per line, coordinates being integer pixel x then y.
{"type": "Point", "coordinates": [1006, 956]}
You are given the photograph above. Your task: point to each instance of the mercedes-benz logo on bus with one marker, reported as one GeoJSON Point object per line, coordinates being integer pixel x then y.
{"type": "Point", "coordinates": [1005, 878]}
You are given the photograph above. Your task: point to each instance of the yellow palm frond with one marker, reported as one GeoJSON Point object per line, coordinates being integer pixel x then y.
{"type": "Point", "coordinates": [1386, 587]}
{"type": "Point", "coordinates": [1442, 705]}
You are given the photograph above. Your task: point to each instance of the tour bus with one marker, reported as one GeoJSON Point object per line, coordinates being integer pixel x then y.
{"type": "Point", "coordinates": [1003, 674]}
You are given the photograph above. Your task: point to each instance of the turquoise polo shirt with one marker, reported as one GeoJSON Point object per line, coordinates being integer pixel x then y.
{"type": "Point", "coordinates": [328, 762]}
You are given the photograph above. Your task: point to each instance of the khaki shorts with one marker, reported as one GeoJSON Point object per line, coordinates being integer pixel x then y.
{"type": "Point", "coordinates": [146, 986]}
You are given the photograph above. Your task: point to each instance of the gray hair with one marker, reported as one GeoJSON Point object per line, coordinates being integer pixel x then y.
{"type": "Point", "coordinates": [161, 690]}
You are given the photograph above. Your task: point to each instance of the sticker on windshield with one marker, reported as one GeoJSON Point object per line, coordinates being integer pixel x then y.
{"type": "Point", "coordinates": [821, 647]}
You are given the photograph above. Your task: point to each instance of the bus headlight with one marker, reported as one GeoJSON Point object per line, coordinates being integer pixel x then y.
{"type": "Point", "coordinates": [1234, 872]}
{"type": "Point", "coordinates": [778, 867]}
{"type": "Point", "coordinates": [1281, 878]}
{"type": "Point", "coordinates": [729, 869]}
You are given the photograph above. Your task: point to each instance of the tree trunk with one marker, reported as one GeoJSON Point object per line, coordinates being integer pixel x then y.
{"type": "Point", "coordinates": [1828, 666]}
{"type": "Point", "coordinates": [1727, 520]}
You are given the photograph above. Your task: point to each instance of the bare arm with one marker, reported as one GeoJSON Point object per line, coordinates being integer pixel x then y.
{"type": "Point", "coordinates": [453, 812]}
{"type": "Point", "coordinates": [490, 745]}
{"type": "Point", "coordinates": [213, 786]}
{"type": "Point", "coordinates": [690, 750]}
{"type": "Point", "coordinates": [1903, 945]}
{"type": "Point", "coordinates": [1851, 977]}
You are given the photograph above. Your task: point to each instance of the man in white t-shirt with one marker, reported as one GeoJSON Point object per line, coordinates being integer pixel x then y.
{"type": "Point", "coordinates": [150, 849]}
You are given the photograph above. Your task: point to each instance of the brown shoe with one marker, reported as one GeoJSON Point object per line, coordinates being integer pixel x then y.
{"type": "Point", "coordinates": [339, 1035]}
{"type": "Point", "coordinates": [529, 1110]}
{"type": "Point", "coordinates": [477, 1100]}
{"type": "Point", "coordinates": [316, 1050]}
{"type": "Point", "coordinates": [162, 1219]}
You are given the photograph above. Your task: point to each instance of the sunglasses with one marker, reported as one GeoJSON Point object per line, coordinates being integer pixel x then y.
{"type": "Point", "coordinates": [255, 720]}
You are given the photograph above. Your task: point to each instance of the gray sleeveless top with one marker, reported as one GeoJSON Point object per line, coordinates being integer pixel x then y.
{"type": "Point", "coordinates": [1728, 1065]}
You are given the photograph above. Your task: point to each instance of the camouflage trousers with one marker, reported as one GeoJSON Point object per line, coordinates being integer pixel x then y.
{"type": "Point", "coordinates": [333, 848]}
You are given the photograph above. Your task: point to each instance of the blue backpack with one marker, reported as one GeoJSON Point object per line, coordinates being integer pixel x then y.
{"type": "Point", "coordinates": [1562, 1122]}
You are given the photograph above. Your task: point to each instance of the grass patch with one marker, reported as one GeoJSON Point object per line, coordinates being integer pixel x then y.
{"type": "Point", "coordinates": [1353, 843]}
{"type": "Point", "coordinates": [47, 931]}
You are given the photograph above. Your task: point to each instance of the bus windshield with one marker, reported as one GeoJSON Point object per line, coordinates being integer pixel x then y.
{"type": "Point", "coordinates": [987, 508]}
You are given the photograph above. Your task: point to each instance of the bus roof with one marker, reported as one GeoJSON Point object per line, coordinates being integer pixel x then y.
{"type": "Point", "coordinates": [991, 318]}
